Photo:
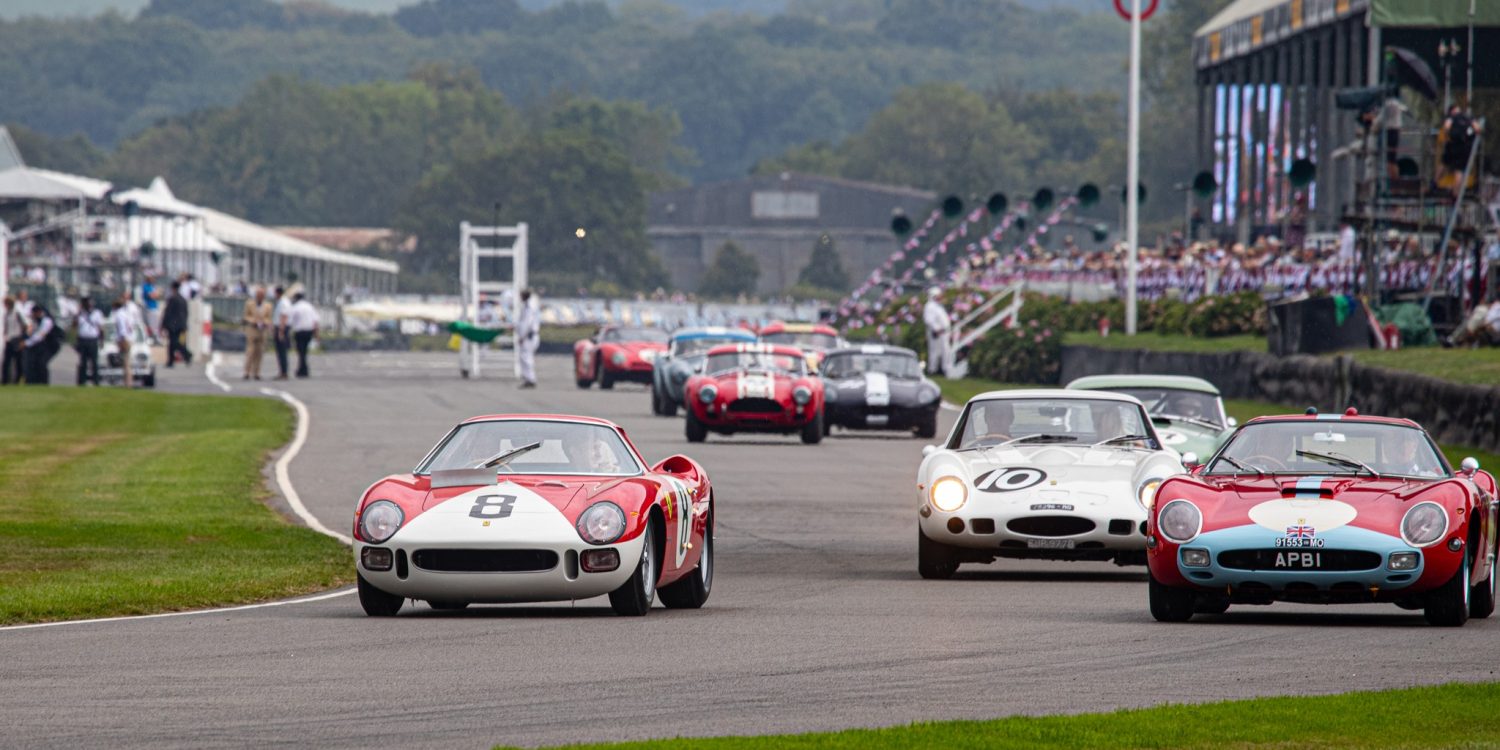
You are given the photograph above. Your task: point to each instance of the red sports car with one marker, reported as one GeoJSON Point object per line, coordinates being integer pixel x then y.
{"type": "Point", "coordinates": [1325, 509]}
{"type": "Point", "coordinates": [754, 388]}
{"type": "Point", "coordinates": [535, 508]}
{"type": "Point", "coordinates": [616, 353]}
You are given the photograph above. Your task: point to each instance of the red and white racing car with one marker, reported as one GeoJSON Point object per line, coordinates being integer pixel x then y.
{"type": "Point", "coordinates": [535, 508]}
{"type": "Point", "coordinates": [754, 388]}
{"type": "Point", "coordinates": [1325, 509]}
{"type": "Point", "coordinates": [616, 353]}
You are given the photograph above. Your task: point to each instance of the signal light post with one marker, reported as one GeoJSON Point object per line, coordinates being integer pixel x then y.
{"type": "Point", "coordinates": [1133, 170]}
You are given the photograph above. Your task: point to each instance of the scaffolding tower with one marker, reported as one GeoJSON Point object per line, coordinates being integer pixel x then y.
{"type": "Point", "coordinates": [499, 242]}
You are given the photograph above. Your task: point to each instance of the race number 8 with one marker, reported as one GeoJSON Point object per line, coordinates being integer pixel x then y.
{"type": "Point", "coordinates": [492, 506]}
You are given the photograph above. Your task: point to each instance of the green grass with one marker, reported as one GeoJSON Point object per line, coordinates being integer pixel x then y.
{"type": "Point", "coordinates": [1446, 716]}
{"type": "Point", "coordinates": [127, 502]}
{"type": "Point", "coordinates": [1469, 366]}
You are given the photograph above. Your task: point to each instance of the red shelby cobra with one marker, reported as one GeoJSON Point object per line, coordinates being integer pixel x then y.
{"type": "Point", "coordinates": [754, 388]}
{"type": "Point", "coordinates": [1325, 509]}
{"type": "Point", "coordinates": [535, 508]}
{"type": "Point", "coordinates": [616, 353]}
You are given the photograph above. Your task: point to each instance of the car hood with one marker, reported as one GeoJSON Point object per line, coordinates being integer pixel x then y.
{"type": "Point", "coordinates": [876, 389]}
{"type": "Point", "coordinates": [1184, 436]}
{"type": "Point", "coordinates": [1092, 474]}
{"type": "Point", "coordinates": [1320, 502]}
{"type": "Point", "coordinates": [559, 493]}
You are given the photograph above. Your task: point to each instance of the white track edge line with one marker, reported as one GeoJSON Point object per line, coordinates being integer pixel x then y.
{"type": "Point", "coordinates": [213, 363]}
{"type": "Point", "coordinates": [242, 607]}
{"type": "Point", "coordinates": [284, 480]}
{"type": "Point", "coordinates": [950, 407]}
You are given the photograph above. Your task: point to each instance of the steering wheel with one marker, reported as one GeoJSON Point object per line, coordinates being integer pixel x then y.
{"type": "Point", "coordinates": [995, 437]}
{"type": "Point", "coordinates": [1265, 463]}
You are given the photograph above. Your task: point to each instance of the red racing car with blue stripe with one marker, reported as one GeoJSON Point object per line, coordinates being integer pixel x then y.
{"type": "Point", "coordinates": [1325, 509]}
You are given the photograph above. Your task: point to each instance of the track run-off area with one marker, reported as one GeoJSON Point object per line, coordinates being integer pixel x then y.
{"type": "Point", "coordinates": [817, 620]}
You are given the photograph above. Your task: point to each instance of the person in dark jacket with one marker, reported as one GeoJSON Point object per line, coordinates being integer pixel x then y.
{"type": "Point", "coordinates": [41, 346]}
{"type": "Point", "coordinates": [174, 321]}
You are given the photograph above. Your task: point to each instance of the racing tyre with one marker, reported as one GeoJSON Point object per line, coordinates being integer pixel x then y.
{"type": "Point", "coordinates": [606, 382]}
{"type": "Point", "coordinates": [692, 591]}
{"type": "Point", "coordinates": [448, 606]}
{"type": "Point", "coordinates": [148, 381]}
{"type": "Point", "coordinates": [1211, 606]}
{"type": "Point", "coordinates": [934, 561]}
{"type": "Point", "coordinates": [1482, 597]}
{"type": "Point", "coordinates": [377, 603]}
{"type": "Point", "coordinates": [696, 432]}
{"type": "Point", "coordinates": [583, 383]}
{"type": "Point", "coordinates": [1448, 606]}
{"type": "Point", "coordinates": [1170, 604]}
{"type": "Point", "coordinates": [812, 432]}
{"type": "Point", "coordinates": [634, 597]}
{"type": "Point", "coordinates": [928, 426]}
{"type": "Point", "coordinates": [662, 406]}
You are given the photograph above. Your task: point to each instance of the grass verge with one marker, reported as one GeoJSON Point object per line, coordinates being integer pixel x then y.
{"type": "Point", "coordinates": [128, 502]}
{"type": "Point", "coordinates": [1425, 717]}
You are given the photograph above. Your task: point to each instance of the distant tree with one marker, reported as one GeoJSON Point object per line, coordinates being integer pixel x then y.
{"type": "Point", "coordinates": [74, 154]}
{"type": "Point", "coordinates": [219, 14]}
{"type": "Point", "coordinates": [647, 136]}
{"type": "Point", "coordinates": [439, 17]}
{"type": "Point", "coordinates": [732, 273]}
{"type": "Point", "coordinates": [824, 270]}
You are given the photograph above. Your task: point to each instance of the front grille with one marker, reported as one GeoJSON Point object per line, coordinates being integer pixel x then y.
{"type": "Point", "coordinates": [1326, 559]}
{"type": "Point", "coordinates": [484, 560]}
{"type": "Point", "coordinates": [755, 406]}
{"type": "Point", "coordinates": [1050, 525]}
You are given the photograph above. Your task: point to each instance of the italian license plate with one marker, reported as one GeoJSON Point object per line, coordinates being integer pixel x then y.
{"type": "Point", "coordinates": [1050, 543]}
{"type": "Point", "coordinates": [1298, 560]}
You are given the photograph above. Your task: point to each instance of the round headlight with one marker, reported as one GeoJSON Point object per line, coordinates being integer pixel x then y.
{"type": "Point", "coordinates": [1179, 521]}
{"type": "Point", "coordinates": [948, 494]}
{"type": "Point", "coordinates": [707, 394]}
{"type": "Point", "coordinates": [618, 358]}
{"type": "Point", "coordinates": [379, 521]}
{"type": "Point", "coordinates": [1424, 524]}
{"type": "Point", "coordinates": [801, 394]}
{"type": "Point", "coordinates": [1147, 493]}
{"type": "Point", "coordinates": [928, 393]}
{"type": "Point", "coordinates": [602, 523]}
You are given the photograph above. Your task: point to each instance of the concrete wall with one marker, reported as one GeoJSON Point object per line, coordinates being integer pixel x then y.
{"type": "Point", "coordinates": [1453, 413]}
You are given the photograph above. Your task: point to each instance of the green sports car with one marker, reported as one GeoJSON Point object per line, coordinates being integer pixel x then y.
{"type": "Point", "coordinates": [1187, 412]}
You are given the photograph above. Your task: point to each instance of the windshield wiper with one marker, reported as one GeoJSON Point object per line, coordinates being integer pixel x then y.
{"type": "Point", "coordinates": [1039, 438]}
{"type": "Point", "coordinates": [1121, 439]}
{"type": "Point", "coordinates": [1191, 420]}
{"type": "Point", "coordinates": [1236, 464]}
{"type": "Point", "coordinates": [503, 456]}
{"type": "Point", "coordinates": [1338, 460]}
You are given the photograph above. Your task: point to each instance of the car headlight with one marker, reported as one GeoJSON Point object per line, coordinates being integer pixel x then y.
{"type": "Point", "coordinates": [801, 394]}
{"type": "Point", "coordinates": [1180, 521]}
{"type": "Point", "coordinates": [1147, 493]}
{"type": "Point", "coordinates": [1424, 524]}
{"type": "Point", "coordinates": [618, 358]}
{"type": "Point", "coordinates": [649, 355]}
{"type": "Point", "coordinates": [379, 521]}
{"type": "Point", "coordinates": [928, 393]}
{"type": "Point", "coordinates": [948, 494]}
{"type": "Point", "coordinates": [707, 394]}
{"type": "Point", "coordinates": [602, 523]}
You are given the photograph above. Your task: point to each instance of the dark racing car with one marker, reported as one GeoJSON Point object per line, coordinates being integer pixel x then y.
{"type": "Point", "coordinates": [879, 388]}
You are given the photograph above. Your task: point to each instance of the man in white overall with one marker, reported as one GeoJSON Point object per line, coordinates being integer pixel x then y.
{"type": "Point", "coordinates": [528, 337]}
{"type": "Point", "coordinates": [935, 317]}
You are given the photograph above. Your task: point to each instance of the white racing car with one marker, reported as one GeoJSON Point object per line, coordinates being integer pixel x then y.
{"type": "Point", "coordinates": [1050, 474]}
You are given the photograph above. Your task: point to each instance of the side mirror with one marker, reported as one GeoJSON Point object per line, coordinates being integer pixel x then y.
{"type": "Point", "coordinates": [1470, 465]}
{"type": "Point", "coordinates": [1190, 460]}
{"type": "Point", "coordinates": [1233, 422]}
{"type": "Point", "coordinates": [928, 450]}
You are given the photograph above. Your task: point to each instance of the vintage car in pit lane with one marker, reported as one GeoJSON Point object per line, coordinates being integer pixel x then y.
{"type": "Point", "coordinates": [685, 353]}
{"type": "Point", "coordinates": [875, 387]}
{"type": "Point", "coordinates": [1049, 474]}
{"type": "Point", "coordinates": [536, 508]}
{"type": "Point", "coordinates": [112, 364]}
{"type": "Point", "coordinates": [814, 339]}
{"type": "Point", "coordinates": [615, 353]}
{"type": "Point", "coordinates": [1188, 413]}
{"type": "Point", "coordinates": [754, 388]}
{"type": "Point", "coordinates": [1325, 509]}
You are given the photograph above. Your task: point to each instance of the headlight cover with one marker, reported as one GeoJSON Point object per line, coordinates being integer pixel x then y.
{"type": "Point", "coordinates": [1180, 521]}
{"type": "Point", "coordinates": [707, 394]}
{"type": "Point", "coordinates": [1146, 495]}
{"type": "Point", "coordinates": [602, 523]}
{"type": "Point", "coordinates": [1424, 524]}
{"type": "Point", "coordinates": [379, 521]}
{"type": "Point", "coordinates": [618, 358]}
{"type": "Point", "coordinates": [801, 394]}
{"type": "Point", "coordinates": [948, 494]}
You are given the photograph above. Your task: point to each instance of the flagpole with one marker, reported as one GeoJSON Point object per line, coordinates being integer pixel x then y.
{"type": "Point", "coordinates": [1132, 170]}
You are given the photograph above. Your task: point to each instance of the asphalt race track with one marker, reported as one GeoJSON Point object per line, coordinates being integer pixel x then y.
{"type": "Point", "coordinates": [817, 620]}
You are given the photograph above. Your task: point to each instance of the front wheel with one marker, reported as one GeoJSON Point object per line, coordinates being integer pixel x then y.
{"type": "Point", "coordinates": [812, 432]}
{"type": "Point", "coordinates": [692, 591]}
{"type": "Point", "coordinates": [695, 430]}
{"type": "Point", "coordinates": [935, 562]}
{"type": "Point", "coordinates": [1169, 604]}
{"type": "Point", "coordinates": [606, 381]}
{"type": "Point", "coordinates": [1482, 596]}
{"type": "Point", "coordinates": [927, 426]}
{"type": "Point", "coordinates": [377, 603]}
{"type": "Point", "coordinates": [634, 597]}
{"type": "Point", "coordinates": [1448, 606]}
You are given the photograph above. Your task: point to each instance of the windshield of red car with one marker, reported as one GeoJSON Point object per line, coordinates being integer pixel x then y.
{"type": "Point", "coordinates": [566, 448]}
{"type": "Point", "coordinates": [784, 363]}
{"type": "Point", "coordinates": [651, 335]}
{"type": "Point", "coordinates": [687, 347]}
{"type": "Point", "coordinates": [1177, 403]}
{"type": "Point", "coordinates": [806, 340]}
{"type": "Point", "coordinates": [1329, 447]}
